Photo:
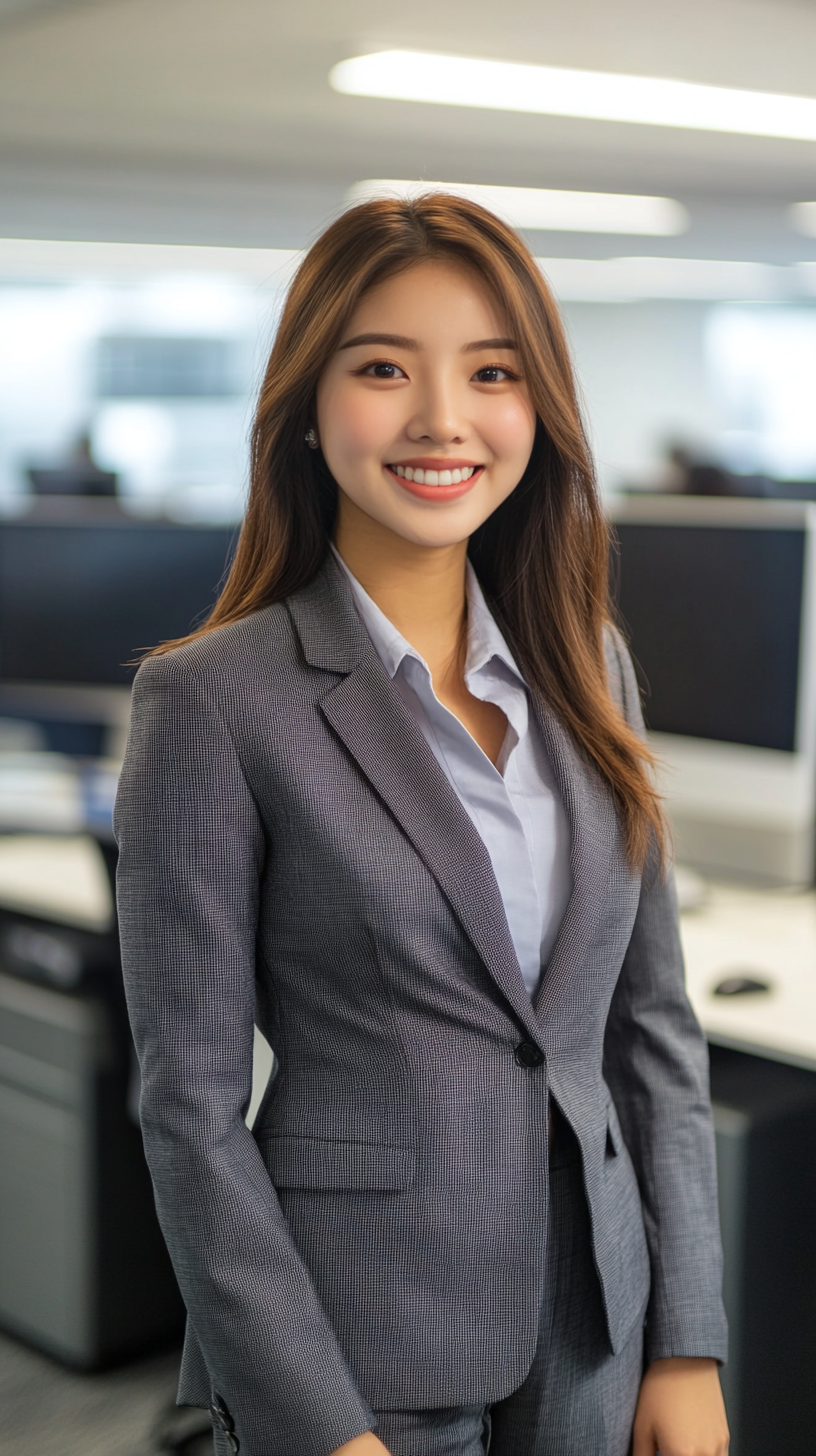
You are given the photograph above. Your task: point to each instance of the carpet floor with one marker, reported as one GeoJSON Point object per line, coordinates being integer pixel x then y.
{"type": "Point", "coordinates": [50, 1411]}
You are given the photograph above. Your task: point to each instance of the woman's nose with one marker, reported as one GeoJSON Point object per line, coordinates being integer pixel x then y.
{"type": "Point", "coordinates": [438, 416]}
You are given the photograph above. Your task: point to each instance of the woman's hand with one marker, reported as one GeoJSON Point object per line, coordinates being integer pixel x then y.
{"type": "Point", "coordinates": [366, 1445]}
{"type": "Point", "coordinates": [680, 1410]}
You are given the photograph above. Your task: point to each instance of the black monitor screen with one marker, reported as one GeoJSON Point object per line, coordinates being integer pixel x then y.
{"type": "Point", "coordinates": [79, 600]}
{"type": "Point", "coordinates": [714, 618]}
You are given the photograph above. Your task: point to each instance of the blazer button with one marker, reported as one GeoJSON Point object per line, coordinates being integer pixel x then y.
{"type": "Point", "coordinates": [527, 1054]}
{"type": "Point", "coordinates": [232, 1443]}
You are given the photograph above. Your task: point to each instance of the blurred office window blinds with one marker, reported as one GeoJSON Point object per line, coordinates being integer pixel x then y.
{"type": "Point", "coordinates": [147, 367]}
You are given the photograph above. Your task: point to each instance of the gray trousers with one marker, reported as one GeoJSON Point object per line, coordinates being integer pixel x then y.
{"type": "Point", "coordinates": [578, 1398]}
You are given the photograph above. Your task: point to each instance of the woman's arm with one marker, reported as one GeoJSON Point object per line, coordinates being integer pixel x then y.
{"type": "Point", "coordinates": [191, 855]}
{"type": "Point", "coordinates": [656, 1064]}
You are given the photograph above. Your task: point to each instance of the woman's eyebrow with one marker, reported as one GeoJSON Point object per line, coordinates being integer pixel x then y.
{"type": "Point", "coordinates": [396, 341]}
{"type": "Point", "coordinates": [399, 341]}
{"type": "Point", "coordinates": [480, 344]}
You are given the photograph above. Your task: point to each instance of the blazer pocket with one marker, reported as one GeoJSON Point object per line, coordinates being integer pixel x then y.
{"type": "Point", "coordinates": [336, 1167]}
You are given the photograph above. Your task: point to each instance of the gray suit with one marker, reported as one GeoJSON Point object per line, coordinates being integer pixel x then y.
{"type": "Point", "coordinates": [291, 851]}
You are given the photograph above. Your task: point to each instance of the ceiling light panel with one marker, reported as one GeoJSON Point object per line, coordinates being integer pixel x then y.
{"type": "Point", "coordinates": [627, 280]}
{"type": "Point", "coordinates": [555, 91]}
{"type": "Point", "coordinates": [548, 210]}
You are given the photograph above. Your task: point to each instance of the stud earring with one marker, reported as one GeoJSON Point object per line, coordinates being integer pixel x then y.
{"type": "Point", "coordinates": [311, 439]}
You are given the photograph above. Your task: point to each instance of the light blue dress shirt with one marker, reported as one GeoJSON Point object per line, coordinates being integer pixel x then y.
{"type": "Point", "coordinates": [514, 805]}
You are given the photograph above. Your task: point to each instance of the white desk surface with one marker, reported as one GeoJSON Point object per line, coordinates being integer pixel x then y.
{"type": "Point", "coordinates": [61, 877]}
{"type": "Point", "coordinates": [770, 934]}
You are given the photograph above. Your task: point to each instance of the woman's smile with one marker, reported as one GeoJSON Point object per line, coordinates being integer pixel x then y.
{"type": "Point", "coordinates": [435, 479]}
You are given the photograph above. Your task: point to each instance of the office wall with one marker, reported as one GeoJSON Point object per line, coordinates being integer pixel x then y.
{"type": "Point", "coordinates": [642, 369]}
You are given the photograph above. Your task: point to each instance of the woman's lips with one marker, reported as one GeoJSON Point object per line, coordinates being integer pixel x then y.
{"type": "Point", "coordinates": [441, 485]}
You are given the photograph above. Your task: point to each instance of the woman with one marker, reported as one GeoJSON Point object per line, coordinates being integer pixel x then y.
{"type": "Point", "coordinates": [414, 837]}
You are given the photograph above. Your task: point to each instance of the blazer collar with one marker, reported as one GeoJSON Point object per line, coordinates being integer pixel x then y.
{"type": "Point", "coordinates": [370, 718]}
{"type": "Point", "coordinates": [331, 633]}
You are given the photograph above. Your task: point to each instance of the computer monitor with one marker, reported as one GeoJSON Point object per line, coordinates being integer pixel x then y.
{"type": "Point", "coordinates": [81, 599]}
{"type": "Point", "coordinates": [72, 480]}
{"type": "Point", "coordinates": [717, 598]}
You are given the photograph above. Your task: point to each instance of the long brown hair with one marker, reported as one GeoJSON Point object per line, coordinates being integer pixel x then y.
{"type": "Point", "coordinates": [542, 557]}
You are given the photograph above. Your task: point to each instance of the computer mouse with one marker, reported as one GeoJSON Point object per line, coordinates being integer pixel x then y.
{"type": "Point", "coordinates": [739, 983]}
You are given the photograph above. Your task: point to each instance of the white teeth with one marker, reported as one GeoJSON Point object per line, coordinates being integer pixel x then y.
{"type": "Point", "coordinates": [434, 477]}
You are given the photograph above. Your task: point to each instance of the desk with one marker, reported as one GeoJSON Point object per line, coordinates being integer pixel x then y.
{"type": "Point", "coordinates": [765, 1128]}
{"type": "Point", "coordinates": [84, 1273]}
{"type": "Point", "coordinates": [773, 934]}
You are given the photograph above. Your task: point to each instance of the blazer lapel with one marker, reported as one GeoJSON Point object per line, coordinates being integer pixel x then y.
{"type": "Point", "coordinates": [372, 721]}
{"type": "Point", "coordinates": [602, 878]}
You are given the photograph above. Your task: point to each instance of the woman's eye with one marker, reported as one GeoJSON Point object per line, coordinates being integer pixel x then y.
{"type": "Point", "coordinates": [493, 374]}
{"type": "Point", "coordinates": [383, 370]}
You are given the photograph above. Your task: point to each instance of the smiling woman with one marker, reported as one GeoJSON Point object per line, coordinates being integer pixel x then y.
{"type": "Point", "coordinates": [393, 802]}
{"type": "Point", "coordinates": [545, 554]}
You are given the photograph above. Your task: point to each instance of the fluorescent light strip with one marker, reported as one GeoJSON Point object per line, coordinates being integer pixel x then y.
{"type": "Point", "coordinates": [627, 280]}
{"type": "Point", "coordinates": [555, 91]}
{"type": "Point", "coordinates": [548, 210]}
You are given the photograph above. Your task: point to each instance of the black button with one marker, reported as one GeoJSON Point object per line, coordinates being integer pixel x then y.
{"type": "Point", "coordinates": [233, 1444]}
{"type": "Point", "coordinates": [527, 1054]}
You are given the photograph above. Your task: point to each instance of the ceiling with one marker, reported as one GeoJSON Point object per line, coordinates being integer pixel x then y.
{"type": "Point", "coordinates": [212, 120]}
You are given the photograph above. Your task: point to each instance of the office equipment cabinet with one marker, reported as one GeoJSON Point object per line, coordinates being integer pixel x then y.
{"type": "Point", "coordinates": [84, 1274]}
{"type": "Point", "coordinates": [765, 1124]}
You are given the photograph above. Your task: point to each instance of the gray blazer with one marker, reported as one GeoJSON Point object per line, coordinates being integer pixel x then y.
{"type": "Point", "coordinates": [292, 853]}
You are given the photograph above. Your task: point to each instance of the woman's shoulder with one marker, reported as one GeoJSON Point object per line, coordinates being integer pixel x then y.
{"type": "Point", "coordinates": [235, 651]}
{"type": "Point", "coordinates": [623, 686]}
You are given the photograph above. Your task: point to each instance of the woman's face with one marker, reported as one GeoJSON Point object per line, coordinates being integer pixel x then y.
{"type": "Point", "coordinates": [423, 415]}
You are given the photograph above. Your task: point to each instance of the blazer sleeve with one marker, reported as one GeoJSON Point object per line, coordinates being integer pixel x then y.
{"type": "Point", "coordinates": [191, 852]}
{"type": "Point", "coordinates": [656, 1065]}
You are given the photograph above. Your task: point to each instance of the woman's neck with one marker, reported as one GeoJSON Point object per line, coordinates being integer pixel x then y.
{"type": "Point", "coordinates": [420, 589]}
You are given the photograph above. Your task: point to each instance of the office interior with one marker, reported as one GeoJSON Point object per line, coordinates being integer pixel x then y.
{"type": "Point", "coordinates": [163, 165]}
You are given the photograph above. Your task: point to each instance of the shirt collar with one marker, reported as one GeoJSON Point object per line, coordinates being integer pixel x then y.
{"type": "Point", "coordinates": [485, 641]}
